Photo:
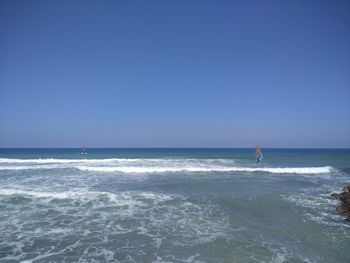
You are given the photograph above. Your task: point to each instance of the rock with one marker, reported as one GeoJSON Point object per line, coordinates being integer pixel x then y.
{"type": "Point", "coordinates": [336, 195]}
{"type": "Point", "coordinates": [346, 205]}
{"type": "Point", "coordinates": [340, 209]}
{"type": "Point", "coordinates": [344, 197]}
{"type": "Point", "coordinates": [343, 211]}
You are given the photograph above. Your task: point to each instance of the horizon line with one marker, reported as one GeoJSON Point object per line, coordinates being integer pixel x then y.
{"type": "Point", "coordinates": [306, 148]}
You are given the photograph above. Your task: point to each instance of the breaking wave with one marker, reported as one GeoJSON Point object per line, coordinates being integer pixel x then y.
{"type": "Point", "coordinates": [65, 161]}
{"type": "Point", "coordinates": [299, 170]}
{"type": "Point", "coordinates": [124, 165]}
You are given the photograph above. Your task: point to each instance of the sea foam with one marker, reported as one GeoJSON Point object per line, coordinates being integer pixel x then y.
{"type": "Point", "coordinates": [152, 166]}
{"type": "Point", "coordinates": [131, 169]}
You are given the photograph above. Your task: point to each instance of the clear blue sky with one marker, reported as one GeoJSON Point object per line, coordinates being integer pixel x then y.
{"type": "Point", "coordinates": [175, 73]}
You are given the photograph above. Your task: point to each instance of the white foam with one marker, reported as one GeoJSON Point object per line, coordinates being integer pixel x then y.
{"type": "Point", "coordinates": [315, 202]}
{"type": "Point", "coordinates": [136, 169]}
{"type": "Point", "coordinates": [29, 167]}
{"type": "Point", "coordinates": [121, 199]}
{"type": "Point", "coordinates": [133, 169]}
{"type": "Point", "coordinates": [52, 160]}
{"type": "Point", "coordinates": [160, 169]}
{"type": "Point", "coordinates": [319, 208]}
{"type": "Point", "coordinates": [42, 194]}
{"type": "Point", "coordinates": [142, 214]}
{"type": "Point", "coordinates": [151, 166]}
{"type": "Point", "coordinates": [108, 160]}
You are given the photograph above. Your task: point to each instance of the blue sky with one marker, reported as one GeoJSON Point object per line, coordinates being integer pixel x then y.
{"type": "Point", "coordinates": [175, 73]}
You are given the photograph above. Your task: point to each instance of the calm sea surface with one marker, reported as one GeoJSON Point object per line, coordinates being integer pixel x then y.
{"type": "Point", "coordinates": [172, 205]}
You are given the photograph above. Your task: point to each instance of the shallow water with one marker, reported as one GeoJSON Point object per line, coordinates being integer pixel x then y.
{"type": "Point", "coordinates": [172, 205]}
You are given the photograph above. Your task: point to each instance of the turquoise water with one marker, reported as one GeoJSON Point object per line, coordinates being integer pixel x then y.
{"type": "Point", "coordinates": [172, 205]}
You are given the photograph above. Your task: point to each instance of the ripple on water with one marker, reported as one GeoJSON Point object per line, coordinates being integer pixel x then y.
{"type": "Point", "coordinates": [86, 225]}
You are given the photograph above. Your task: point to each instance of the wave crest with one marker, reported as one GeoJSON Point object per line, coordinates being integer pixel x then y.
{"type": "Point", "coordinates": [139, 165]}
{"type": "Point", "coordinates": [288, 170]}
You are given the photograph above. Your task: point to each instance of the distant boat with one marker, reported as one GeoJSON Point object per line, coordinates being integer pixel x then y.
{"type": "Point", "coordinates": [83, 150]}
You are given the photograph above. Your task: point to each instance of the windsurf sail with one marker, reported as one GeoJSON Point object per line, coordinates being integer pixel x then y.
{"type": "Point", "coordinates": [83, 150]}
{"type": "Point", "coordinates": [258, 154]}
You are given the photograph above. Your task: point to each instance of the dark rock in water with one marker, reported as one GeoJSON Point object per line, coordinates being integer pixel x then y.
{"type": "Point", "coordinates": [344, 211]}
{"type": "Point", "coordinates": [336, 196]}
{"type": "Point", "coordinates": [346, 206]}
{"type": "Point", "coordinates": [340, 209]}
{"type": "Point", "coordinates": [344, 198]}
{"type": "Point", "coordinates": [346, 188]}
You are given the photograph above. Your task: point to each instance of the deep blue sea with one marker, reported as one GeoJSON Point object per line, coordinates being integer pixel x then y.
{"type": "Point", "coordinates": [172, 205]}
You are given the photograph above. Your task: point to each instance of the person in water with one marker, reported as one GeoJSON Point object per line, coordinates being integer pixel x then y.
{"type": "Point", "coordinates": [258, 154]}
{"type": "Point", "coordinates": [83, 150]}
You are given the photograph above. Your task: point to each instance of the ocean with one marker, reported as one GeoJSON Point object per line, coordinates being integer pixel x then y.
{"type": "Point", "coordinates": [172, 205]}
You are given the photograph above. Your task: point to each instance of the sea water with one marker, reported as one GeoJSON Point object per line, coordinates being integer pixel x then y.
{"type": "Point", "coordinates": [172, 205]}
